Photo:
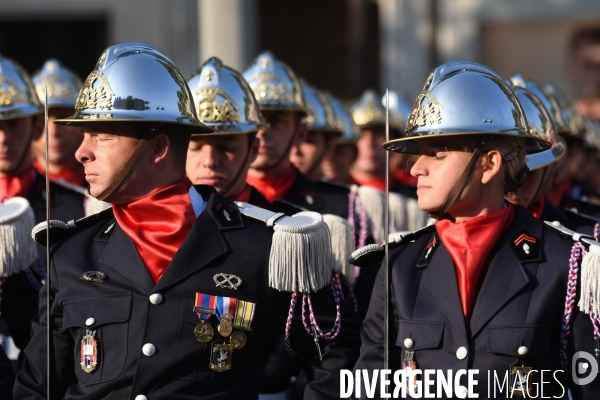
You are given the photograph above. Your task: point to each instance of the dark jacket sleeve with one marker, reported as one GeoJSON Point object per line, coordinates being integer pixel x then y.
{"type": "Point", "coordinates": [32, 379]}
{"type": "Point", "coordinates": [339, 353]}
{"type": "Point", "coordinates": [7, 377]}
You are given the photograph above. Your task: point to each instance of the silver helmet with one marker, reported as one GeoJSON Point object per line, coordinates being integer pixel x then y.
{"type": "Point", "coordinates": [135, 82]}
{"type": "Point", "coordinates": [274, 84]}
{"type": "Point", "coordinates": [17, 93]}
{"type": "Point", "coordinates": [465, 98]}
{"type": "Point", "coordinates": [369, 112]}
{"type": "Point", "coordinates": [572, 118]}
{"type": "Point", "coordinates": [223, 99]}
{"type": "Point", "coordinates": [319, 113]}
{"type": "Point", "coordinates": [399, 105]}
{"type": "Point", "coordinates": [549, 102]}
{"type": "Point", "coordinates": [62, 83]}
{"type": "Point", "coordinates": [540, 123]}
{"type": "Point", "coordinates": [344, 121]}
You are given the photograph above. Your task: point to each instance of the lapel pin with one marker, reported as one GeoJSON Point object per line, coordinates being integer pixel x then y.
{"type": "Point", "coordinates": [227, 281]}
{"type": "Point", "coordinates": [93, 276]}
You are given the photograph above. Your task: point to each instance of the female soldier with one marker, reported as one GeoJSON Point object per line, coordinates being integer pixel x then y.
{"type": "Point", "coordinates": [483, 289]}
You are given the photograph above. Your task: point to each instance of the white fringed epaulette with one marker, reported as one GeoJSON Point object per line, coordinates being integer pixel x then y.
{"type": "Point", "coordinates": [91, 205]}
{"type": "Point", "coordinates": [342, 245]}
{"type": "Point", "coordinates": [17, 250]}
{"type": "Point", "coordinates": [373, 254]}
{"type": "Point", "coordinates": [405, 214]}
{"type": "Point", "coordinates": [300, 258]}
{"type": "Point", "coordinates": [589, 271]}
{"type": "Point", "coordinates": [60, 230]}
{"type": "Point", "coordinates": [373, 202]}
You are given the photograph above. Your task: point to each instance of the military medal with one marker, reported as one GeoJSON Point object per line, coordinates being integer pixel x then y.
{"type": "Point", "coordinates": [224, 327]}
{"type": "Point", "coordinates": [521, 380]}
{"type": "Point", "coordinates": [89, 352]}
{"type": "Point", "coordinates": [220, 358]}
{"type": "Point", "coordinates": [238, 339]}
{"type": "Point", "coordinates": [204, 332]}
{"type": "Point", "coordinates": [409, 364]}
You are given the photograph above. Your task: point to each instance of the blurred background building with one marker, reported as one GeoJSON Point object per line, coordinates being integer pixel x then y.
{"type": "Point", "coordinates": [343, 46]}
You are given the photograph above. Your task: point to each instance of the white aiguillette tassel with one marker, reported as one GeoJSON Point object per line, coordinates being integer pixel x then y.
{"type": "Point", "coordinates": [373, 202]}
{"type": "Point", "coordinates": [17, 250]}
{"type": "Point", "coordinates": [341, 246]}
{"type": "Point", "coordinates": [94, 206]}
{"type": "Point", "coordinates": [590, 280]}
{"type": "Point", "coordinates": [405, 214]}
{"type": "Point", "coordinates": [300, 258]}
{"type": "Point", "coordinates": [91, 205]}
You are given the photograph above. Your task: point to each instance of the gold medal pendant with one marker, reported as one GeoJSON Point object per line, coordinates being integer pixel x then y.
{"type": "Point", "coordinates": [238, 340]}
{"type": "Point", "coordinates": [204, 332]}
{"type": "Point", "coordinates": [220, 359]}
{"type": "Point", "coordinates": [225, 327]}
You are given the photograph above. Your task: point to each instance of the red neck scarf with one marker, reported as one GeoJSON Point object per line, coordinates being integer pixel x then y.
{"type": "Point", "coordinates": [537, 207]}
{"type": "Point", "coordinates": [377, 182]}
{"type": "Point", "coordinates": [158, 224]}
{"type": "Point", "coordinates": [405, 178]}
{"type": "Point", "coordinates": [472, 244]}
{"type": "Point", "coordinates": [244, 195]}
{"type": "Point", "coordinates": [274, 187]}
{"type": "Point", "coordinates": [75, 175]}
{"type": "Point", "coordinates": [11, 186]}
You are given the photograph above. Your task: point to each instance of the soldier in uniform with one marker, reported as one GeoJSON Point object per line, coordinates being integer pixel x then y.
{"type": "Point", "coordinates": [336, 166]}
{"type": "Point", "coordinates": [225, 102]}
{"type": "Point", "coordinates": [369, 168]}
{"type": "Point", "coordinates": [283, 106]}
{"type": "Point", "coordinates": [323, 131]}
{"type": "Point", "coordinates": [63, 86]}
{"type": "Point", "coordinates": [484, 288]}
{"type": "Point", "coordinates": [542, 165]}
{"type": "Point", "coordinates": [168, 294]}
{"type": "Point", "coordinates": [21, 122]}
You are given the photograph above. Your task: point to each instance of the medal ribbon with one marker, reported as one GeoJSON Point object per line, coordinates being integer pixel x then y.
{"type": "Point", "coordinates": [205, 305]}
{"type": "Point", "coordinates": [241, 311]}
{"type": "Point", "coordinates": [244, 314]}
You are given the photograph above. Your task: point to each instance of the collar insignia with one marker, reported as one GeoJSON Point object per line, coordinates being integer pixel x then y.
{"type": "Point", "coordinates": [526, 247]}
{"type": "Point", "coordinates": [428, 252]}
{"type": "Point", "coordinates": [227, 215]}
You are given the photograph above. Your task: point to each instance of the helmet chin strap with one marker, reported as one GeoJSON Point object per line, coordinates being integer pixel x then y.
{"type": "Point", "coordinates": [442, 212]}
{"type": "Point", "coordinates": [120, 176]}
{"type": "Point", "coordinates": [238, 175]}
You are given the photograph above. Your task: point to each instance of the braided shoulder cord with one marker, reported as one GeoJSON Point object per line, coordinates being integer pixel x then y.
{"type": "Point", "coordinates": [288, 324]}
{"type": "Point", "coordinates": [577, 251]}
{"type": "Point", "coordinates": [596, 230]}
{"type": "Point", "coordinates": [336, 286]}
{"type": "Point", "coordinates": [356, 206]}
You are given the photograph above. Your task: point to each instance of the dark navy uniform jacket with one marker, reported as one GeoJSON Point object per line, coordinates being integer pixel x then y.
{"type": "Point", "coordinates": [20, 291]}
{"type": "Point", "coordinates": [521, 303]}
{"type": "Point", "coordinates": [125, 319]}
{"type": "Point", "coordinates": [7, 376]}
